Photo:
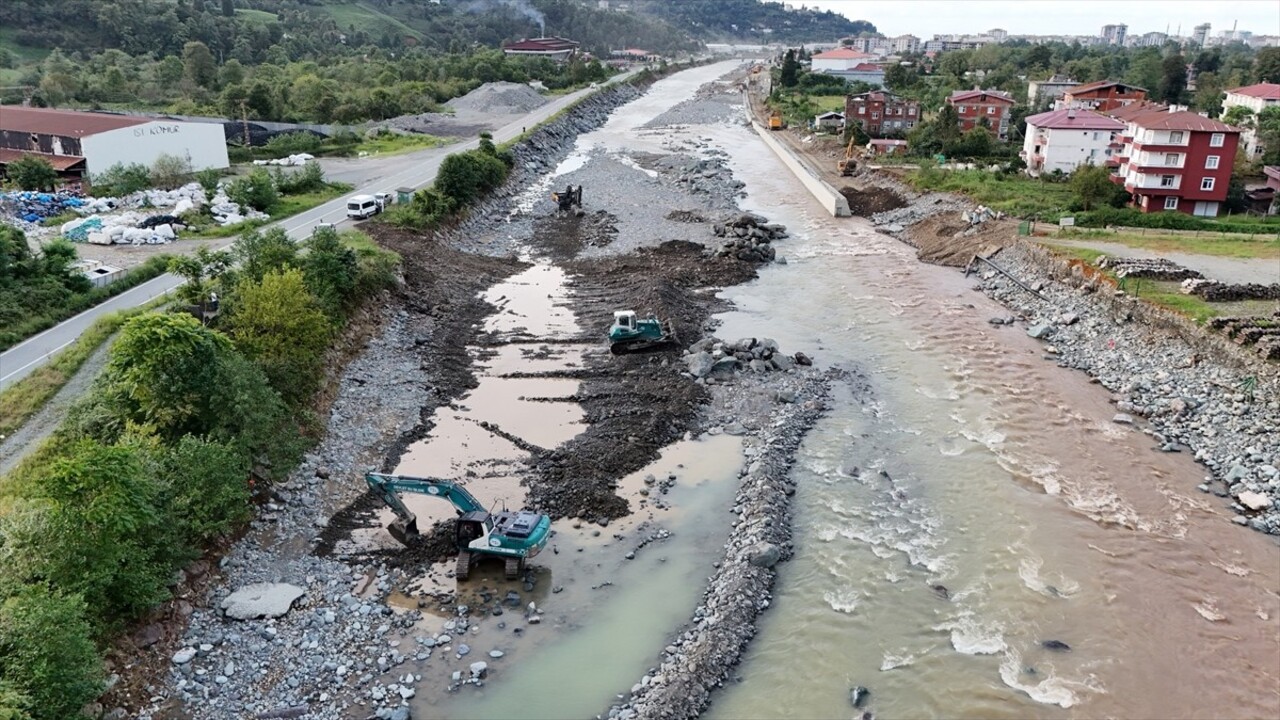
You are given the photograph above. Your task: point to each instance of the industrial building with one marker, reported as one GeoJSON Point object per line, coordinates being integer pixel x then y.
{"type": "Point", "coordinates": [86, 143]}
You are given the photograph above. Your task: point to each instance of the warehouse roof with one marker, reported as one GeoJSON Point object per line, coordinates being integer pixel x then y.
{"type": "Point", "coordinates": [59, 162]}
{"type": "Point", "coordinates": [66, 123]}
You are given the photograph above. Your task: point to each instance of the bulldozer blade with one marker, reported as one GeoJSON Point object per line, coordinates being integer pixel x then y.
{"type": "Point", "coordinates": [405, 531]}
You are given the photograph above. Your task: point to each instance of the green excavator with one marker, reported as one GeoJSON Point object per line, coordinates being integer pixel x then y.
{"type": "Point", "coordinates": [632, 334]}
{"type": "Point", "coordinates": [513, 536]}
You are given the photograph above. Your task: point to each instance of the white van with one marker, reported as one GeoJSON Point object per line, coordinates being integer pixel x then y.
{"type": "Point", "coordinates": [362, 207]}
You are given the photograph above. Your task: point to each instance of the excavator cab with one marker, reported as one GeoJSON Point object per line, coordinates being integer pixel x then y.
{"type": "Point", "coordinates": [470, 526]}
{"type": "Point", "coordinates": [569, 201]}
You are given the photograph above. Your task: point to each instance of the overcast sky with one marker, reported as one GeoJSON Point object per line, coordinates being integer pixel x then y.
{"type": "Point", "coordinates": [925, 18]}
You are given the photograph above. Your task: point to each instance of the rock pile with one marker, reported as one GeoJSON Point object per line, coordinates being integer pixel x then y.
{"type": "Point", "coordinates": [1151, 269]}
{"type": "Point", "coordinates": [1225, 410]}
{"type": "Point", "coordinates": [1263, 333]}
{"type": "Point", "coordinates": [749, 237]}
{"type": "Point", "coordinates": [502, 98]}
{"type": "Point", "coordinates": [709, 175]}
{"type": "Point", "coordinates": [1214, 291]}
{"type": "Point", "coordinates": [711, 359]}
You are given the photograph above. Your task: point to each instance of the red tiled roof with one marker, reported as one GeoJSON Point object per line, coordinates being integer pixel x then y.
{"type": "Point", "coordinates": [960, 95]}
{"type": "Point", "coordinates": [1127, 113]}
{"type": "Point", "coordinates": [546, 44]}
{"type": "Point", "coordinates": [59, 162]}
{"type": "Point", "coordinates": [1089, 87]}
{"type": "Point", "coordinates": [1184, 120]}
{"type": "Point", "coordinates": [1272, 171]}
{"type": "Point", "coordinates": [842, 54]}
{"type": "Point", "coordinates": [1075, 119]}
{"type": "Point", "coordinates": [1266, 91]}
{"type": "Point", "coordinates": [66, 123]}
{"type": "Point", "coordinates": [866, 67]}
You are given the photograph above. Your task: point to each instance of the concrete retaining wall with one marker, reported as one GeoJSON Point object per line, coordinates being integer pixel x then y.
{"type": "Point", "coordinates": [827, 196]}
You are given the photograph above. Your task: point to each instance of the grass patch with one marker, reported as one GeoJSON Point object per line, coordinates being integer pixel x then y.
{"type": "Point", "coordinates": [395, 143]}
{"type": "Point", "coordinates": [287, 206]}
{"type": "Point", "coordinates": [256, 18]}
{"type": "Point", "coordinates": [24, 398]}
{"type": "Point", "coordinates": [363, 17]}
{"type": "Point", "coordinates": [1088, 255]}
{"type": "Point", "coordinates": [1013, 194]}
{"type": "Point", "coordinates": [59, 219]}
{"type": "Point", "coordinates": [24, 54]}
{"type": "Point", "coordinates": [1233, 245]}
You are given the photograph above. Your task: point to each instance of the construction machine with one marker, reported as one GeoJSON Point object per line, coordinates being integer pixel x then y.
{"type": "Point", "coordinates": [569, 201]}
{"type": "Point", "coordinates": [632, 334]}
{"type": "Point", "coordinates": [775, 120]}
{"type": "Point", "coordinates": [848, 163]}
{"type": "Point", "coordinates": [513, 536]}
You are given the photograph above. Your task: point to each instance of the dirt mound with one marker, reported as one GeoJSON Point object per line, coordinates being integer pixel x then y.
{"type": "Point", "coordinates": [865, 202]}
{"type": "Point", "coordinates": [686, 216]}
{"type": "Point", "coordinates": [946, 239]}
{"type": "Point", "coordinates": [501, 98]}
{"type": "Point", "coordinates": [564, 236]}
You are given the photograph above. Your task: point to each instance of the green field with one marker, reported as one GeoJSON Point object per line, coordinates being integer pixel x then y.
{"type": "Point", "coordinates": [258, 18]}
{"type": "Point", "coordinates": [368, 19]}
{"type": "Point", "coordinates": [1016, 194]}
{"type": "Point", "coordinates": [1233, 245]}
{"type": "Point", "coordinates": [22, 53]}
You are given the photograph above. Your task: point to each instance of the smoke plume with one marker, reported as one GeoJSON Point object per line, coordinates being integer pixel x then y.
{"type": "Point", "coordinates": [521, 6]}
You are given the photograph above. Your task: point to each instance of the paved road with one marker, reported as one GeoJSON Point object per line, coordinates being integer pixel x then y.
{"type": "Point", "coordinates": [413, 170]}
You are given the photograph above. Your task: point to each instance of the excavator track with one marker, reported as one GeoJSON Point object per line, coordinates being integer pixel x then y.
{"type": "Point", "coordinates": [514, 566]}
{"type": "Point", "coordinates": [463, 569]}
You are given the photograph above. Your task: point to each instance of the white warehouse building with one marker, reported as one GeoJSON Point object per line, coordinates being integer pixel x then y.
{"type": "Point", "coordinates": [80, 143]}
{"type": "Point", "coordinates": [1066, 139]}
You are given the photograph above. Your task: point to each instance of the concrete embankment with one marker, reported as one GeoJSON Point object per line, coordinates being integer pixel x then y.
{"type": "Point", "coordinates": [830, 198]}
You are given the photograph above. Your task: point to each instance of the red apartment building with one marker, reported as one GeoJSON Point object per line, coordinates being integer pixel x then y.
{"type": "Point", "coordinates": [1174, 160]}
{"type": "Point", "coordinates": [1103, 96]}
{"type": "Point", "coordinates": [881, 113]}
{"type": "Point", "coordinates": [974, 106]}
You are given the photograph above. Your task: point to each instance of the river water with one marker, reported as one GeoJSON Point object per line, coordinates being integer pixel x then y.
{"type": "Point", "coordinates": [980, 504]}
{"type": "Point", "coordinates": [985, 469]}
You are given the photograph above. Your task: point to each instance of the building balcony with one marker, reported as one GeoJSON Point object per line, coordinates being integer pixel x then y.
{"type": "Point", "coordinates": [1155, 168]}
{"type": "Point", "coordinates": [1159, 146]}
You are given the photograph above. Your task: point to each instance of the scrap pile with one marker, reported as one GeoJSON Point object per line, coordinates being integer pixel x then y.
{"type": "Point", "coordinates": [1214, 291]}
{"type": "Point", "coordinates": [1150, 269]}
{"type": "Point", "coordinates": [33, 207]}
{"type": "Point", "coordinates": [981, 214]}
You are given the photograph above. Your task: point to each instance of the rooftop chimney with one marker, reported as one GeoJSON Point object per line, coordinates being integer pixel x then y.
{"type": "Point", "coordinates": [1071, 113]}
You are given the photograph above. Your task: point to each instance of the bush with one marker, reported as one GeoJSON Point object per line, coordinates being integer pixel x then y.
{"type": "Point", "coordinates": [255, 190]}
{"type": "Point", "coordinates": [120, 179]}
{"type": "Point", "coordinates": [48, 662]}
{"type": "Point", "coordinates": [208, 179]}
{"type": "Point", "coordinates": [170, 171]}
{"type": "Point", "coordinates": [465, 177]}
{"type": "Point", "coordinates": [309, 179]}
{"type": "Point", "coordinates": [206, 487]}
{"type": "Point", "coordinates": [262, 252]}
{"type": "Point", "coordinates": [329, 269]}
{"type": "Point", "coordinates": [292, 143]}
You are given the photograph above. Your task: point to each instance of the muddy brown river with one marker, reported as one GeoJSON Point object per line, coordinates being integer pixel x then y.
{"type": "Point", "coordinates": [982, 504]}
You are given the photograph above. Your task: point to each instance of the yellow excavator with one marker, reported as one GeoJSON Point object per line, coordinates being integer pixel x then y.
{"type": "Point", "coordinates": [775, 120]}
{"type": "Point", "coordinates": [848, 163]}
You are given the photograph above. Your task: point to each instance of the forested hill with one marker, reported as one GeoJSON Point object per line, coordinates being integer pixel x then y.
{"type": "Point", "coordinates": [247, 30]}
{"type": "Point", "coordinates": [752, 20]}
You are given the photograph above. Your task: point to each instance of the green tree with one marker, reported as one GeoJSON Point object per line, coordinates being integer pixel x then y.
{"type": "Point", "coordinates": [164, 369]}
{"type": "Point", "coordinates": [976, 143]}
{"type": "Point", "coordinates": [466, 176]}
{"type": "Point", "coordinates": [1092, 186]}
{"type": "Point", "coordinates": [120, 179]}
{"type": "Point", "coordinates": [170, 171]}
{"type": "Point", "coordinates": [1173, 79]}
{"type": "Point", "coordinates": [330, 271]}
{"type": "Point", "coordinates": [206, 485]}
{"type": "Point", "coordinates": [48, 662]}
{"type": "Point", "coordinates": [228, 8]}
{"type": "Point", "coordinates": [278, 324]}
{"type": "Point", "coordinates": [790, 70]}
{"type": "Point", "coordinates": [1268, 125]}
{"type": "Point", "coordinates": [1266, 65]}
{"type": "Point", "coordinates": [946, 126]}
{"type": "Point", "coordinates": [201, 272]}
{"type": "Point", "coordinates": [208, 179]}
{"type": "Point", "coordinates": [1239, 116]}
{"type": "Point", "coordinates": [898, 77]}
{"type": "Point", "coordinates": [198, 64]}
{"type": "Point", "coordinates": [87, 524]}
{"type": "Point", "coordinates": [32, 173]}
{"type": "Point", "coordinates": [260, 253]}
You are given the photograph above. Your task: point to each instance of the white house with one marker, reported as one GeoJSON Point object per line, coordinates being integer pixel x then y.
{"type": "Point", "coordinates": [1066, 139]}
{"type": "Point", "coordinates": [1257, 98]}
{"type": "Point", "coordinates": [839, 60]}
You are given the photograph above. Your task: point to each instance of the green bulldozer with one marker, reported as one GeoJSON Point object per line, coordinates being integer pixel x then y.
{"type": "Point", "coordinates": [513, 536]}
{"type": "Point", "coordinates": [632, 334]}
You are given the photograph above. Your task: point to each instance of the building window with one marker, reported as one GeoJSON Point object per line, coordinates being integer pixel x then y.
{"type": "Point", "coordinates": [1211, 162]}
{"type": "Point", "coordinates": [862, 110]}
{"type": "Point", "coordinates": [875, 116]}
{"type": "Point", "coordinates": [1206, 184]}
{"type": "Point", "coordinates": [1175, 137]}
{"type": "Point", "coordinates": [1171, 202]}
{"type": "Point", "coordinates": [1168, 180]}
{"type": "Point", "coordinates": [991, 109]}
{"type": "Point", "coordinates": [1217, 139]}
{"type": "Point", "coordinates": [911, 111]}
{"type": "Point", "coordinates": [963, 109]}
{"type": "Point", "coordinates": [1171, 159]}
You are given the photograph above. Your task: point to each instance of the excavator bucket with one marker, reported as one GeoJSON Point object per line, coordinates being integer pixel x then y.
{"type": "Point", "coordinates": [404, 530]}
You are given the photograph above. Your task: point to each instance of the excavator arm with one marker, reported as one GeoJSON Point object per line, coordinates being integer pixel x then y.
{"type": "Point", "coordinates": [405, 526]}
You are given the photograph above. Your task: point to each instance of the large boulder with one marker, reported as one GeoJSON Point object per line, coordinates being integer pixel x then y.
{"type": "Point", "coordinates": [700, 364]}
{"type": "Point", "coordinates": [261, 600]}
{"type": "Point", "coordinates": [764, 555]}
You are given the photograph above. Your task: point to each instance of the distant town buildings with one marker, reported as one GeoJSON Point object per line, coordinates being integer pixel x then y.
{"type": "Point", "coordinates": [1114, 34]}
{"type": "Point", "coordinates": [983, 108]}
{"type": "Point", "coordinates": [1172, 159]}
{"type": "Point", "coordinates": [1257, 98]}
{"type": "Point", "coordinates": [881, 112]}
{"type": "Point", "coordinates": [1200, 35]}
{"type": "Point", "coordinates": [839, 60]}
{"type": "Point", "coordinates": [1063, 140]}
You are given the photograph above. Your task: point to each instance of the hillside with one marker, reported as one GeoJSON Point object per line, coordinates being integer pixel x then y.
{"type": "Point", "coordinates": [753, 20]}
